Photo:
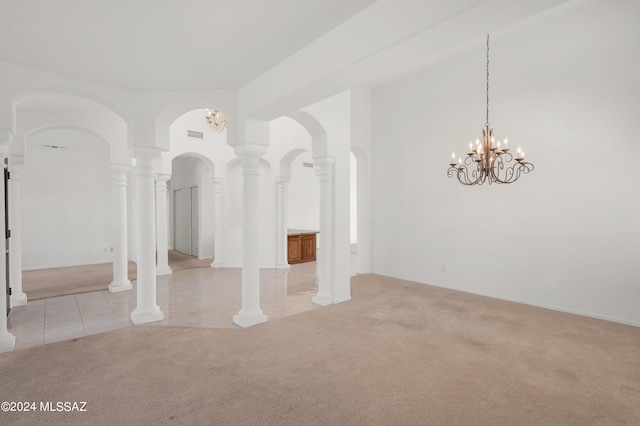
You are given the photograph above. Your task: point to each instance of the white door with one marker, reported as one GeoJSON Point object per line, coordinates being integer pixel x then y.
{"type": "Point", "coordinates": [182, 207]}
{"type": "Point", "coordinates": [194, 221]}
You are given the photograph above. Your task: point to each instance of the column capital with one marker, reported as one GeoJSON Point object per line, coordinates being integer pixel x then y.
{"type": "Point", "coordinates": [161, 182]}
{"type": "Point", "coordinates": [250, 165]}
{"type": "Point", "coordinates": [139, 152]}
{"type": "Point", "coordinates": [326, 160]}
{"type": "Point", "coordinates": [119, 168]}
{"type": "Point", "coordinates": [17, 160]}
{"type": "Point", "coordinates": [281, 183]}
{"type": "Point", "coordinates": [6, 136]}
{"type": "Point", "coordinates": [324, 167]}
{"type": "Point", "coordinates": [248, 149]}
{"type": "Point", "coordinates": [5, 141]}
{"type": "Point", "coordinates": [217, 185]}
{"type": "Point", "coordinates": [145, 166]}
{"type": "Point", "coordinates": [16, 165]}
{"type": "Point", "coordinates": [162, 177]}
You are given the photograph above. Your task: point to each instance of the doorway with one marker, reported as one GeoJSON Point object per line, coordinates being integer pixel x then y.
{"type": "Point", "coordinates": [186, 220]}
{"type": "Point", "coordinates": [7, 232]}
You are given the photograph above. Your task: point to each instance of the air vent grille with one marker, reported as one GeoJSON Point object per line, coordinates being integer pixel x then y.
{"type": "Point", "coordinates": [194, 134]}
{"type": "Point", "coordinates": [307, 165]}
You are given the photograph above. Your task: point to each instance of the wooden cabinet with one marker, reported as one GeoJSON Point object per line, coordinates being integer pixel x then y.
{"type": "Point", "coordinates": [301, 246]}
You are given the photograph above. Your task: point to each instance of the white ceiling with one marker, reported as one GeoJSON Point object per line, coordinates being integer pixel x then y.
{"type": "Point", "coordinates": [281, 54]}
{"type": "Point", "coordinates": [59, 102]}
{"type": "Point", "coordinates": [158, 45]}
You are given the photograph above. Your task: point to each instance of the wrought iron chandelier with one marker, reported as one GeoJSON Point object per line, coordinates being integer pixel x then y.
{"type": "Point", "coordinates": [216, 120]}
{"type": "Point", "coordinates": [489, 160]}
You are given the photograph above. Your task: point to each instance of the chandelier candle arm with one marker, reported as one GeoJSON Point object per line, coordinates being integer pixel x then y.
{"type": "Point", "coordinates": [490, 161]}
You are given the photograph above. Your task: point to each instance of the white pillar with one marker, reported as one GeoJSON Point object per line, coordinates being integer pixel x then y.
{"type": "Point", "coordinates": [18, 297]}
{"type": "Point", "coordinates": [364, 257]}
{"type": "Point", "coordinates": [250, 314]}
{"type": "Point", "coordinates": [325, 170]}
{"type": "Point", "coordinates": [162, 268]}
{"type": "Point", "coordinates": [7, 340]}
{"type": "Point", "coordinates": [146, 310]}
{"type": "Point", "coordinates": [217, 223]}
{"type": "Point", "coordinates": [281, 224]}
{"type": "Point", "coordinates": [120, 259]}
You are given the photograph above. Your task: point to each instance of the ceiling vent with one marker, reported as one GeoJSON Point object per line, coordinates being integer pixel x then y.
{"type": "Point", "coordinates": [194, 134]}
{"type": "Point", "coordinates": [55, 146]}
{"type": "Point", "coordinates": [307, 165]}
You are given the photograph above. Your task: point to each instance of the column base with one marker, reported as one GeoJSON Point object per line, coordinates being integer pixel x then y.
{"type": "Point", "coordinates": [19, 299]}
{"type": "Point", "coordinates": [7, 342]}
{"type": "Point", "coordinates": [322, 299]}
{"type": "Point", "coordinates": [216, 264]}
{"type": "Point", "coordinates": [249, 319]}
{"type": "Point", "coordinates": [120, 286]}
{"type": "Point", "coordinates": [164, 270]}
{"type": "Point", "coordinates": [283, 266]}
{"type": "Point", "coordinates": [143, 317]}
{"type": "Point", "coordinates": [342, 299]}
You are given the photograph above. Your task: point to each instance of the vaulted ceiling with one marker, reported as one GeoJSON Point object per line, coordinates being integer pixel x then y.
{"type": "Point", "coordinates": [156, 45]}
{"type": "Point", "coordinates": [166, 45]}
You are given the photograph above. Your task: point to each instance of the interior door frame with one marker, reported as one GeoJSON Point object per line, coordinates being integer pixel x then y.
{"type": "Point", "coordinates": [7, 234]}
{"type": "Point", "coordinates": [190, 190]}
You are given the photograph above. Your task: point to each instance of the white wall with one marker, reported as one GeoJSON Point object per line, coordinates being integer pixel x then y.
{"type": "Point", "coordinates": [566, 236]}
{"type": "Point", "coordinates": [303, 197]}
{"type": "Point", "coordinates": [354, 199]}
{"type": "Point", "coordinates": [66, 201]}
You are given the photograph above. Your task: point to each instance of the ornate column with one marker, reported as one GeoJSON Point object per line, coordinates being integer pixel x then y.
{"type": "Point", "coordinates": [147, 309]}
{"type": "Point", "coordinates": [120, 259]}
{"type": "Point", "coordinates": [325, 171]}
{"type": "Point", "coordinates": [7, 340]}
{"type": "Point", "coordinates": [18, 297]}
{"type": "Point", "coordinates": [217, 223]}
{"type": "Point", "coordinates": [250, 314]}
{"type": "Point", "coordinates": [281, 223]}
{"type": "Point", "coordinates": [162, 268]}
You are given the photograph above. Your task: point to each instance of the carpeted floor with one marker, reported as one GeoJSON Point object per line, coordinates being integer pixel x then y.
{"type": "Point", "coordinates": [44, 283]}
{"type": "Point", "coordinates": [399, 353]}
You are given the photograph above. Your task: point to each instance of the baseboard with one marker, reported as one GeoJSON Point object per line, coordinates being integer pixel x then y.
{"type": "Point", "coordinates": [37, 268]}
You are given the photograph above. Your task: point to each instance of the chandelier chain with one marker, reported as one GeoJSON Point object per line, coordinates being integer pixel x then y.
{"type": "Point", "coordinates": [487, 123]}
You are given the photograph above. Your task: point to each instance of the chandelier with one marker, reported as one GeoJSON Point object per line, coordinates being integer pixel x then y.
{"type": "Point", "coordinates": [489, 160]}
{"type": "Point", "coordinates": [216, 120]}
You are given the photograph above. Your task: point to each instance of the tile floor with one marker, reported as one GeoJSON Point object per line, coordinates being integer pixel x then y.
{"type": "Point", "coordinates": [201, 297]}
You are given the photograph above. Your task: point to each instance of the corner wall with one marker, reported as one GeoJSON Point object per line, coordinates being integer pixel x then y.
{"type": "Point", "coordinates": [566, 236]}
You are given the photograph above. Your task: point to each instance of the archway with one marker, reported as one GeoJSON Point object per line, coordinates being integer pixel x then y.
{"type": "Point", "coordinates": [189, 164]}
{"type": "Point", "coordinates": [66, 206]}
{"type": "Point", "coordinates": [324, 168]}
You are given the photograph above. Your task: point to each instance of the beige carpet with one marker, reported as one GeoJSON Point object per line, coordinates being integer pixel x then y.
{"type": "Point", "coordinates": [397, 354]}
{"type": "Point", "coordinates": [44, 283]}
